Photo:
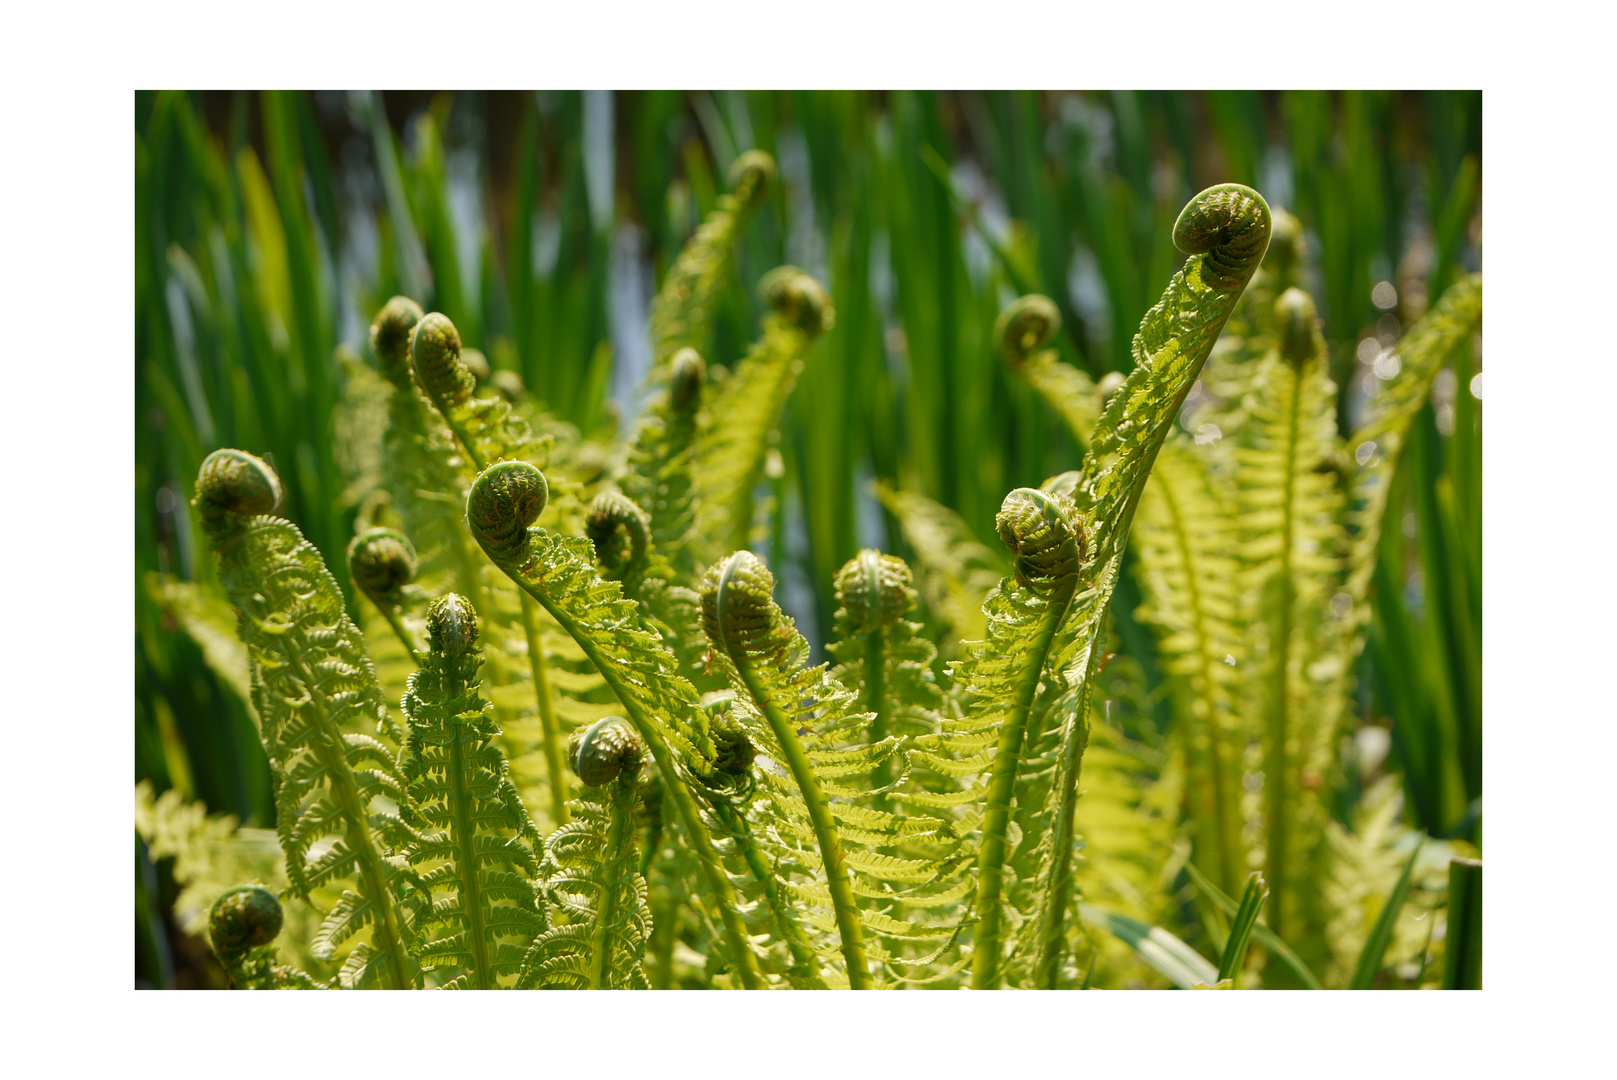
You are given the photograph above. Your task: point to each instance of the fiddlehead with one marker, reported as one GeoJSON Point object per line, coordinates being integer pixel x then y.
{"type": "Point", "coordinates": [1228, 225]}
{"type": "Point", "coordinates": [1027, 324]}
{"type": "Point", "coordinates": [242, 925]}
{"type": "Point", "coordinates": [620, 532]}
{"type": "Point", "coordinates": [1024, 331]}
{"type": "Point", "coordinates": [390, 338]}
{"type": "Point", "coordinates": [478, 866]}
{"type": "Point", "coordinates": [605, 750]}
{"type": "Point", "coordinates": [559, 574]}
{"type": "Point", "coordinates": [314, 690]}
{"type": "Point", "coordinates": [435, 355]}
{"type": "Point", "coordinates": [381, 563]}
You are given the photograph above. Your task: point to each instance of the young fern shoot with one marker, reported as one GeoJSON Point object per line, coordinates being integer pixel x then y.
{"type": "Point", "coordinates": [479, 912]}
{"type": "Point", "coordinates": [315, 692]}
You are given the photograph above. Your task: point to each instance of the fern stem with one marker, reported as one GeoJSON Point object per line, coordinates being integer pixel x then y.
{"type": "Point", "coordinates": [470, 898]}
{"type": "Point", "coordinates": [619, 836]}
{"type": "Point", "coordinates": [549, 730]}
{"type": "Point", "coordinates": [846, 907]}
{"type": "Point", "coordinates": [735, 930]}
{"type": "Point", "coordinates": [791, 930]}
{"type": "Point", "coordinates": [985, 952]}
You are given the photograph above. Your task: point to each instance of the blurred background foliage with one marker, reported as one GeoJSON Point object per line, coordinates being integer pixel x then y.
{"type": "Point", "coordinates": [269, 228]}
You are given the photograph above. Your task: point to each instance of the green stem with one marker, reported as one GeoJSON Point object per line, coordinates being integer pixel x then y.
{"type": "Point", "coordinates": [825, 829]}
{"type": "Point", "coordinates": [1277, 759]}
{"type": "Point", "coordinates": [619, 835]}
{"type": "Point", "coordinates": [471, 902]}
{"type": "Point", "coordinates": [791, 930]}
{"type": "Point", "coordinates": [735, 931]}
{"type": "Point", "coordinates": [1001, 785]}
{"type": "Point", "coordinates": [550, 731]}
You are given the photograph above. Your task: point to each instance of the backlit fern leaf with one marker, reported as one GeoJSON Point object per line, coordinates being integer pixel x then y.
{"type": "Point", "coordinates": [682, 312]}
{"type": "Point", "coordinates": [477, 849]}
{"type": "Point", "coordinates": [318, 700]}
{"type": "Point", "coordinates": [954, 572]}
{"type": "Point", "coordinates": [737, 427]}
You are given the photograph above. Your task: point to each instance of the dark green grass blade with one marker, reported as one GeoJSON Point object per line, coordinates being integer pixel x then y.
{"type": "Point", "coordinates": [1375, 946]}
{"type": "Point", "coordinates": [1263, 934]}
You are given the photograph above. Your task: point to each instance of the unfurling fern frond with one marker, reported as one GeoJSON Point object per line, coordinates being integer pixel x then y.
{"type": "Point", "coordinates": [243, 926]}
{"type": "Point", "coordinates": [1290, 520]}
{"type": "Point", "coordinates": [1225, 229]}
{"type": "Point", "coordinates": [1023, 329]}
{"type": "Point", "coordinates": [803, 719]}
{"type": "Point", "coordinates": [559, 574]}
{"type": "Point", "coordinates": [479, 860]}
{"type": "Point", "coordinates": [660, 477]}
{"type": "Point", "coordinates": [683, 309]}
{"type": "Point", "coordinates": [381, 564]}
{"type": "Point", "coordinates": [319, 703]}
{"type": "Point", "coordinates": [592, 876]}
{"type": "Point", "coordinates": [734, 437]}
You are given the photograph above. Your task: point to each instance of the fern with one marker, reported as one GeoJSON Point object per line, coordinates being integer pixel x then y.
{"type": "Point", "coordinates": [682, 312]}
{"type": "Point", "coordinates": [315, 691]}
{"type": "Point", "coordinates": [662, 456]}
{"type": "Point", "coordinates": [954, 572]}
{"type": "Point", "coordinates": [558, 573]}
{"type": "Point", "coordinates": [479, 865]}
{"type": "Point", "coordinates": [592, 876]}
{"type": "Point", "coordinates": [1226, 230]}
{"type": "Point", "coordinates": [242, 924]}
{"type": "Point", "coordinates": [734, 437]}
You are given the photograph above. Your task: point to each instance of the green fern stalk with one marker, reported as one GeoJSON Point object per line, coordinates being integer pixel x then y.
{"type": "Point", "coordinates": [559, 574]}
{"type": "Point", "coordinates": [312, 684]}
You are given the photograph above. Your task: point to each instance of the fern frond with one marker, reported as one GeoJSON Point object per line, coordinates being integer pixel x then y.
{"type": "Point", "coordinates": [682, 311]}
{"type": "Point", "coordinates": [480, 863]}
{"type": "Point", "coordinates": [736, 430]}
{"type": "Point", "coordinates": [661, 459]}
{"type": "Point", "coordinates": [315, 692]}
{"type": "Point", "coordinates": [1226, 231]}
{"type": "Point", "coordinates": [1290, 520]}
{"type": "Point", "coordinates": [211, 622]}
{"type": "Point", "coordinates": [243, 924]}
{"type": "Point", "coordinates": [592, 875]}
{"type": "Point", "coordinates": [1023, 329]}
{"type": "Point", "coordinates": [559, 574]}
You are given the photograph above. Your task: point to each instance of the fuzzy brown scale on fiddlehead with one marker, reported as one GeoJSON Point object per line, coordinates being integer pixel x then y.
{"type": "Point", "coordinates": [242, 919]}
{"type": "Point", "coordinates": [390, 338]}
{"type": "Point", "coordinates": [801, 299]}
{"type": "Point", "coordinates": [234, 484]}
{"type": "Point", "coordinates": [1047, 542]}
{"type": "Point", "coordinates": [1027, 324]}
{"type": "Point", "coordinates": [739, 612]}
{"type": "Point", "coordinates": [751, 176]}
{"type": "Point", "coordinates": [452, 625]}
{"type": "Point", "coordinates": [605, 751]}
{"type": "Point", "coordinates": [874, 589]}
{"type": "Point", "coordinates": [435, 354]}
{"type": "Point", "coordinates": [688, 377]}
{"type": "Point", "coordinates": [1229, 225]}
{"type": "Point", "coordinates": [505, 499]}
{"type": "Point", "coordinates": [619, 530]}
{"type": "Point", "coordinates": [382, 562]}
{"type": "Point", "coordinates": [1297, 322]}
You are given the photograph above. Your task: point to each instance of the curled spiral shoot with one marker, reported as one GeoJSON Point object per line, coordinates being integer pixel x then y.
{"type": "Point", "coordinates": [1027, 324]}
{"type": "Point", "coordinates": [1297, 321]}
{"type": "Point", "coordinates": [739, 612]}
{"type": "Point", "coordinates": [390, 338]}
{"type": "Point", "coordinates": [235, 484]}
{"type": "Point", "coordinates": [435, 353]}
{"type": "Point", "coordinates": [874, 589]}
{"type": "Point", "coordinates": [801, 299]}
{"type": "Point", "coordinates": [382, 562]}
{"type": "Point", "coordinates": [452, 625]}
{"type": "Point", "coordinates": [505, 499]}
{"type": "Point", "coordinates": [751, 176]}
{"type": "Point", "coordinates": [1047, 541]}
{"type": "Point", "coordinates": [605, 751]}
{"type": "Point", "coordinates": [689, 375]}
{"type": "Point", "coordinates": [1229, 225]}
{"type": "Point", "coordinates": [243, 918]}
{"type": "Point", "coordinates": [619, 530]}
{"type": "Point", "coordinates": [1287, 246]}
{"type": "Point", "coordinates": [733, 748]}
